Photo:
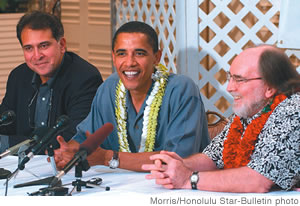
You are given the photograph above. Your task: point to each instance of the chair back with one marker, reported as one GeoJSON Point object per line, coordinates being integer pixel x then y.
{"type": "Point", "coordinates": [216, 123]}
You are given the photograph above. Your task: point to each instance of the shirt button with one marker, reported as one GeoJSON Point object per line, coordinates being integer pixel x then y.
{"type": "Point", "coordinates": [43, 99]}
{"type": "Point", "coordinates": [136, 127]}
{"type": "Point", "coordinates": [43, 123]}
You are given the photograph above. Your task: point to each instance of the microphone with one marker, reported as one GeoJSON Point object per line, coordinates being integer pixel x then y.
{"type": "Point", "coordinates": [36, 136]}
{"type": "Point", "coordinates": [61, 124]}
{"type": "Point", "coordinates": [85, 149]}
{"type": "Point", "coordinates": [7, 117]}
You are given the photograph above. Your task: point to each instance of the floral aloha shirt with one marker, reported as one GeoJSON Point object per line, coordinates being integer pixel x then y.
{"type": "Point", "coordinates": [277, 151]}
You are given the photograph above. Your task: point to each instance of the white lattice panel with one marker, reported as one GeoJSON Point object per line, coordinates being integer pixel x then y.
{"type": "Point", "coordinates": [209, 34]}
{"type": "Point", "coordinates": [222, 48]}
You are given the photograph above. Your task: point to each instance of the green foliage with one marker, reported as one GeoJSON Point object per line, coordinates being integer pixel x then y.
{"type": "Point", "coordinates": [3, 4]}
{"type": "Point", "coordinates": [12, 6]}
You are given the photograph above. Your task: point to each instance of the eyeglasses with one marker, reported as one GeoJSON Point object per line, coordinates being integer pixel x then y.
{"type": "Point", "coordinates": [239, 79]}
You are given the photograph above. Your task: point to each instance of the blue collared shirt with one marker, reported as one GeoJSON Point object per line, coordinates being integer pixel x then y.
{"type": "Point", "coordinates": [44, 98]}
{"type": "Point", "coordinates": [182, 124]}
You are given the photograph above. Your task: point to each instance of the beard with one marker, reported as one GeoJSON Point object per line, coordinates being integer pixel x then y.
{"type": "Point", "coordinates": [249, 109]}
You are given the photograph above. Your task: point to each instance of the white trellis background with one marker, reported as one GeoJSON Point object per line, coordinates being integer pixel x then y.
{"type": "Point", "coordinates": [200, 38]}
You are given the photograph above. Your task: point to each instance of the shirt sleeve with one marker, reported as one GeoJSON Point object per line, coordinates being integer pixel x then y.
{"type": "Point", "coordinates": [277, 152]}
{"type": "Point", "coordinates": [184, 111]}
{"type": "Point", "coordinates": [215, 149]}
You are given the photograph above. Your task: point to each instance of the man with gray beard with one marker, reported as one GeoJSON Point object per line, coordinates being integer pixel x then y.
{"type": "Point", "coordinates": [259, 148]}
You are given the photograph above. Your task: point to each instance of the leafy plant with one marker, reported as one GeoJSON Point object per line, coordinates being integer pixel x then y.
{"type": "Point", "coordinates": [7, 6]}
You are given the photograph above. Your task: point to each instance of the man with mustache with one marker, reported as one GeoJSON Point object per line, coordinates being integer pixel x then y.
{"type": "Point", "coordinates": [259, 148]}
{"type": "Point", "coordinates": [52, 81]}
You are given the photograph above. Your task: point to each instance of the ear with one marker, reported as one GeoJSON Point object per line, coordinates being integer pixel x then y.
{"type": "Point", "coordinates": [113, 57]}
{"type": "Point", "coordinates": [63, 44]}
{"type": "Point", "coordinates": [157, 57]}
{"type": "Point", "coordinates": [270, 92]}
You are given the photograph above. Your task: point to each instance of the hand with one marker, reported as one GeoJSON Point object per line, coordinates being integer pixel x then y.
{"type": "Point", "coordinates": [65, 153]}
{"type": "Point", "coordinates": [168, 170]}
{"type": "Point", "coordinates": [98, 156]}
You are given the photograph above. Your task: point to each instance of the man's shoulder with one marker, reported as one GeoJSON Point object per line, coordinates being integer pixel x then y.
{"type": "Point", "coordinates": [293, 100]}
{"type": "Point", "coordinates": [78, 63]}
{"type": "Point", "coordinates": [288, 108]}
{"type": "Point", "coordinates": [181, 78]}
{"type": "Point", "coordinates": [22, 71]}
{"type": "Point", "coordinates": [113, 79]}
{"type": "Point", "coordinates": [108, 87]}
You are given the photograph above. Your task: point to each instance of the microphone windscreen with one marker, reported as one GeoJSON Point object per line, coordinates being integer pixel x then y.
{"type": "Point", "coordinates": [62, 122]}
{"type": "Point", "coordinates": [39, 132]}
{"type": "Point", "coordinates": [7, 117]}
{"type": "Point", "coordinates": [97, 138]}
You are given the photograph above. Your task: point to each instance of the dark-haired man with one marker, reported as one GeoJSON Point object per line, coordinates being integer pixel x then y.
{"type": "Point", "coordinates": [260, 147]}
{"type": "Point", "coordinates": [151, 110]}
{"type": "Point", "coordinates": [52, 82]}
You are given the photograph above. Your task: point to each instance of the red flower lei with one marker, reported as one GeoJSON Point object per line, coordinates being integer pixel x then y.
{"type": "Point", "coordinates": [237, 152]}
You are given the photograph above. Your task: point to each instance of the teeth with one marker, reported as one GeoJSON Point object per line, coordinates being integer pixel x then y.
{"type": "Point", "coordinates": [130, 73]}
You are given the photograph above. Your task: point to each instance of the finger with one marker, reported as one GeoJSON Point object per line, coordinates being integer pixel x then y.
{"type": "Point", "coordinates": [149, 167]}
{"type": "Point", "coordinates": [57, 156]}
{"type": "Point", "coordinates": [163, 181]}
{"type": "Point", "coordinates": [158, 163]}
{"type": "Point", "coordinates": [171, 154]}
{"type": "Point", "coordinates": [169, 186]}
{"type": "Point", "coordinates": [159, 175]}
{"type": "Point", "coordinates": [155, 175]}
{"type": "Point", "coordinates": [61, 141]}
{"type": "Point", "coordinates": [163, 157]}
{"type": "Point", "coordinates": [161, 166]}
{"type": "Point", "coordinates": [87, 134]}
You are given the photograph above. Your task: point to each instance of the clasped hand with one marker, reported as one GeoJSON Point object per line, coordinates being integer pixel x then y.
{"type": "Point", "coordinates": [168, 170]}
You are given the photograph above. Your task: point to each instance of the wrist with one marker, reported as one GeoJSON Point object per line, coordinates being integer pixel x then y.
{"type": "Point", "coordinates": [194, 179]}
{"type": "Point", "coordinates": [108, 157]}
{"type": "Point", "coordinates": [114, 161]}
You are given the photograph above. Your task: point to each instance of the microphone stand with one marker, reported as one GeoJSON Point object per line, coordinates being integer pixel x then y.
{"type": "Point", "coordinates": [78, 183]}
{"type": "Point", "coordinates": [44, 181]}
{"type": "Point", "coordinates": [50, 151]}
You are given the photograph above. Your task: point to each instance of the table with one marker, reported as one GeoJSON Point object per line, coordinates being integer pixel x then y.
{"type": "Point", "coordinates": [121, 182]}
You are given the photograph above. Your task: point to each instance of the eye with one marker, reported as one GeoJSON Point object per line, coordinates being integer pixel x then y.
{"type": "Point", "coordinates": [27, 48]}
{"type": "Point", "coordinates": [139, 53]}
{"type": "Point", "coordinates": [240, 80]}
{"type": "Point", "coordinates": [44, 45]}
{"type": "Point", "coordinates": [120, 53]}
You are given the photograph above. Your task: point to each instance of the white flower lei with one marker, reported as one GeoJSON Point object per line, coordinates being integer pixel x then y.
{"type": "Point", "coordinates": [153, 104]}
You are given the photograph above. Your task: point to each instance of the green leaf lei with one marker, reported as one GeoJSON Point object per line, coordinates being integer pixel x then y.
{"type": "Point", "coordinates": [152, 108]}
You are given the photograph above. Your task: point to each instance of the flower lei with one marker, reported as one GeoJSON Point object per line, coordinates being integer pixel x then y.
{"type": "Point", "coordinates": [153, 104]}
{"type": "Point", "coordinates": [237, 151]}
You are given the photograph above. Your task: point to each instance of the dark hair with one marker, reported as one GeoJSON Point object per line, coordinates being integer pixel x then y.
{"type": "Point", "coordinates": [38, 20]}
{"type": "Point", "coordinates": [278, 71]}
{"type": "Point", "coordinates": [138, 27]}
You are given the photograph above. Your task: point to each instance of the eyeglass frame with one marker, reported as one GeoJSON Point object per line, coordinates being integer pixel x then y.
{"type": "Point", "coordinates": [239, 79]}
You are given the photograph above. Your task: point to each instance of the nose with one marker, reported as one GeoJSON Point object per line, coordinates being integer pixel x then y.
{"type": "Point", "coordinates": [37, 54]}
{"type": "Point", "coordinates": [231, 85]}
{"type": "Point", "coordinates": [130, 60]}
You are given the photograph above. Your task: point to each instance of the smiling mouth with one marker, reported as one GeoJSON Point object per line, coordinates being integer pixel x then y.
{"type": "Point", "coordinates": [41, 63]}
{"type": "Point", "coordinates": [131, 74]}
